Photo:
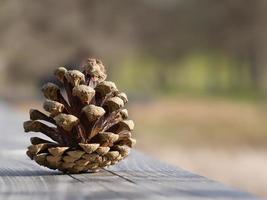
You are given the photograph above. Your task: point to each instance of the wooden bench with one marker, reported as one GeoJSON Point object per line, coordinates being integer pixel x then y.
{"type": "Point", "coordinates": [137, 177]}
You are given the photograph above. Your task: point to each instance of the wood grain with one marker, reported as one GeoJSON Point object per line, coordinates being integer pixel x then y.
{"type": "Point", "coordinates": [137, 177]}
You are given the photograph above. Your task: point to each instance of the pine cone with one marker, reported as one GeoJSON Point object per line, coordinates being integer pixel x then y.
{"type": "Point", "coordinates": [90, 130]}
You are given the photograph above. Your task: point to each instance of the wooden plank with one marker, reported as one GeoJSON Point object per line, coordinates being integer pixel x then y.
{"type": "Point", "coordinates": [153, 180]}
{"type": "Point", "coordinates": [137, 177]}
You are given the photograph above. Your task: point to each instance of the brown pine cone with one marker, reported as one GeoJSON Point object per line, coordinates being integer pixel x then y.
{"type": "Point", "coordinates": [89, 127]}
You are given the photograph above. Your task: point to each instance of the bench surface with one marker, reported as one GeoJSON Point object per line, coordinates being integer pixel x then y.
{"type": "Point", "coordinates": [137, 177]}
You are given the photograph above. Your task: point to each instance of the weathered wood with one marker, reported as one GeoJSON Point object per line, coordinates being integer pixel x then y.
{"type": "Point", "coordinates": [137, 177]}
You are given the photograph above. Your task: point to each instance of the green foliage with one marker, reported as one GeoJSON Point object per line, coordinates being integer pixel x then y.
{"type": "Point", "coordinates": [208, 74]}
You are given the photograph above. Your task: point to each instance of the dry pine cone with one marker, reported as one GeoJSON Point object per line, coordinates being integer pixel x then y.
{"type": "Point", "coordinates": [89, 127]}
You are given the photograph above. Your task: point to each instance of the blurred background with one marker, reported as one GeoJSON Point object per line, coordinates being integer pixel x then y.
{"type": "Point", "coordinates": [195, 72]}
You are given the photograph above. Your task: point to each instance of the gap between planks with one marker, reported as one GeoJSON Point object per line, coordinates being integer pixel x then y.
{"type": "Point", "coordinates": [109, 171]}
